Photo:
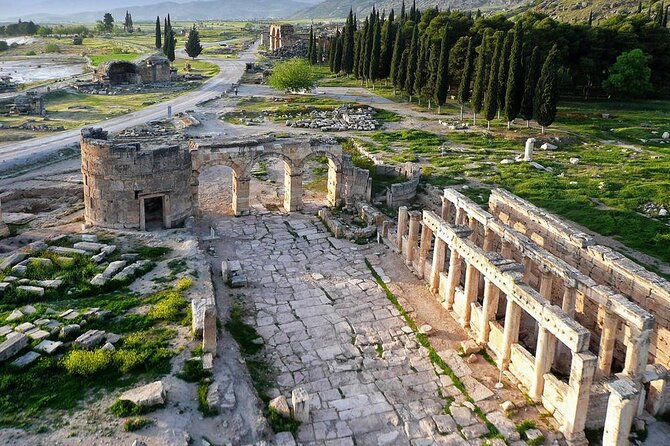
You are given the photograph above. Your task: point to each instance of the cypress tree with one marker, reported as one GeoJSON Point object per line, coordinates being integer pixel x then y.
{"type": "Point", "coordinates": [369, 42]}
{"type": "Point", "coordinates": [166, 34]}
{"type": "Point", "coordinates": [529, 86]}
{"type": "Point", "coordinates": [331, 54]}
{"type": "Point", "coordinates": [481, 73]}
{"type": "Point", "coordinates": [412, 12]}
{"type": "Point", "coordinates": [403, 14]}
{"type": "Point", "coordinates": [412, 60]}
{"type": "Point", "coordinates": [337, 58]}
{"type": "Point", "coordinates": [639, 7]}
{"type": "Point", "coordinates": [402, 69]}
{"type": "Point", "coordinates": [159, 43]}
{"type": "Point", "coordinates": [357, 49]}
{"type": "Point", "coordinates": [665, 17]}
{"type": "Point", "coordinates": [466, 78]}
{"type": "Point", "coordinates": [375, 55]}
{"type": "Point", "coordinates": [193, 47]}
{"type": "Point", "coordinates": [430, 90]}
{"type": "Point", "coordinates": [503, 70]}
{"type": "Point", "coordinates": [546, 92]}
{"type": "Point", "coordinates": [591, 18]}
{"type": "Point", "coordinates": [491, 98]}
{"type": "Point", "coordinates": [660, 13]}
{"type": "Point", "coordinates": [348, 44]}
{"type": "Point", "coordinates": [442, 75]}
{"type": "Point", "coordinates": [310, 46]}
{"type": "Point", "coordinates": [388, 38]}
{"type": "Point", "coordinates": [169, 46]}
{"type": "Point", "coordinates": [421, 77]}
{"type": "Point", "coordinates": [362, 42]}
{"type": "Point", "coordinates": [514, 77]}
{"type": "Point", "coordinates": [398, 48]}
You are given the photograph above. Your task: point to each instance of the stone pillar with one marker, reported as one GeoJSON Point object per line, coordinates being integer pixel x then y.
{"type": "Point", "coordinates": [569, 299]}
{"type": "Point", "coordinates": [438, 264]}
{"type": "Point", "coordinates": [606, 350]}
{"type": "Point", "coordinates": [489, 309]}
{"type": "Point", "coordinates": [240, 195]}
{"type": "Point", "coordinates": [527, 269]}
{"type": "Point", "coordinates": [546, 282]}
{"type": "Point", "coordinates": [637, 353]}
{"type": "Point", "coordinates": [4, 229]}
{"type": "Point", "coordinates": [453, 277]}
{"type": "Point", "coordinates": [544, 358]}
{"type": "Point", "coordinates": [459, 216]}
{"type": "Point", "coordinates": [334, 182]}
{"type": "Point", "coordinates": [621, 409]}
{"type": "Point", "coordinates": [506, 250]}
{"type": "Point", "coordinates": [209, 331]}
{"type": "Point", "coordinates": [300, 403]}
{"type": "Point", "coordinates": [577, 398]}
{"type": "Point", "coordinates": [292, 190]}
{"type": "Point", "coordinates": [471, 291]}
{"type": "Point", "coordinates": [426, 242]}
{"type": "Point", "coordinates": [413, 236]}
{"type": "Point", "coordinates": [563, 353]}
{"type": "Point", "coordinates": [489, 237]}
{"type": "Point", "coordinates": [510, 332]}
{"type": "Point", "coordinates": [402, 226]}
{"type": "Point", "coordinates": [446, 209]}
{"type": "Point", "coordinates": [530, 146]}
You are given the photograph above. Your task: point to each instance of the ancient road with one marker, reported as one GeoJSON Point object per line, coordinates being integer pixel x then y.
{"type": "Point", "coordinates": [231, 71]}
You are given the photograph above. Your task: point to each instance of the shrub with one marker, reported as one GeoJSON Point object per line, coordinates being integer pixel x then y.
{"type": "Point", "coordinates": [135, 424]}
{"type": "Point", "coordinates": [31, 53]}
{"type": "Point", "coordinates": [184, 283]}
{"type": "Point", "coordinates": [193, 371]}
{"type": "Point", "coordinates": [125, 408]}
{"type": "Point", "coordinates": [294, 74]}
{"type": "Point", "coordinates": [127, 360]}
{"type": "Point", "coordinates": [52, 48]}
{"type": "Point", "coordinates": [3, 45]}
{"type": "Point", "coordinates": [168, 308]}
{"type": "Point", "coordinates": [280, 423]}
{"type": "Point", "coordinates": [87, 363]}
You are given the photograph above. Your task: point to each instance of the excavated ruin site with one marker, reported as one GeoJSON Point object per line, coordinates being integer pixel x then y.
{"type": "Point", "coordinates": [173, 288]}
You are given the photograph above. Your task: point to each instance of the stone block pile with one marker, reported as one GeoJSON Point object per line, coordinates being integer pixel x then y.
{"type": "Point", "coordinates": [341, 119]}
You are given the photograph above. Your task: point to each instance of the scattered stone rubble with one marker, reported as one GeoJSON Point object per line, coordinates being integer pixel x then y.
{"type": "Point", "coordinates": [341, 119]}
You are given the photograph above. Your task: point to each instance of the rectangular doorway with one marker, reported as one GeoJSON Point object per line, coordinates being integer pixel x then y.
{"type": "Point", "coordinates": [154, 213]}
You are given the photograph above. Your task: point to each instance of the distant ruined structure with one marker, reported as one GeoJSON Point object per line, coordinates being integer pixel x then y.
{"type": "Point", "coordinates": [140, 184]}
{"type": "Point", "coordinates": [579, 327]}
{"type": "Point", "coordinates": [154, 69]}
{"type": "Point", "coordinates": [281, 35]}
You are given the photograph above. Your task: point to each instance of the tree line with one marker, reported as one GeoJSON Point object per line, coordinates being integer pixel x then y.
{"type": "Point", "coordinates": [496, 65]}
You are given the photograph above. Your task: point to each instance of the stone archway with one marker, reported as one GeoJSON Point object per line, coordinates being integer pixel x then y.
{"type": "Point", "coordinates": [335, 174]}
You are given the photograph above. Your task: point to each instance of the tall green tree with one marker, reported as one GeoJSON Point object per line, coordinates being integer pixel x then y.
{"type": "Point", "coordinates": [430, 89]}
{"type": "Point", "coordinates": [660, 14]}
{"type": "Point", "coordinates": [357, 51]}
{"type": "Point", "coordinates": [292, 75]}
{"type": "Point", "coordinates": [491, 98]}
{"type": "Point", "coordinates": [310, 45]}
{"type": "Point", "coordinates": [412, 61]}
{"type": "Point", "coordinates": [503, 70]}
{"type": "Point", "coordinates": [546, 92]}
{"type": "Point", "coordinates": [530, 81]}
{"type": "Point", "coordinates": [630, 75]}
{"type": "Point", "coordinates": [348, 44]}
{"type": "Point", "coordinates": [369, 42]}
{"type": "Point", "coordinates": [514, 87]}
{"type": "Point", "coordinates": [193, 47]}
{"type": "Point", "coordinates": [442, 75]}
{"type": "Point", "coordinates": [421, 77]}
{"type": "Point", "coordinates": [402, 69]}
{"type": "Point", "coordinates": [375, 55]}
{"type": "Point", "coordinates": [108, 23]}
{"type": "Point", "coordinates": [337, 59]}
{"type": "Point", "coordinates": [398, 49]}
{"type": "Point", "coordinates": [388, 38]}
{"type": "Point", "coordinates": [481, 77]}
{"type": "Point", "coordinates": [166, 35]}
{"type": "Point", "coordinates": [466, 77]}
{"type": "Point", "coordinates": [159, 37]}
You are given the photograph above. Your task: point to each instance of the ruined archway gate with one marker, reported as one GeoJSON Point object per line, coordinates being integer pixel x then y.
{"type": "Point", "coordinates": [241, 158]}
{"type": "Point", "coordinates": [121, 174]}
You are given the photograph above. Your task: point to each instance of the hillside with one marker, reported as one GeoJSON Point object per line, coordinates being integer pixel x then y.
{"type": "Point", "coordinates": [579, 10]}
{"type": "Point", "coordinates": [193, 10]}
{"type": "Point", "coordinates": [340, 8]}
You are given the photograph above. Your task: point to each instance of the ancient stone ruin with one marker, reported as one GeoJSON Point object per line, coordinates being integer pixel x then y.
{"type": "Point", "coordinates": [154, 69]}
{"type": "Point", "coordinates": [140, 184]}
{"type": "Point", "coordinates": [570, 321]}
{"type": "Point", "coordinates": [28, 104]}
{"type": "Point", "coordinates": [281, 35]}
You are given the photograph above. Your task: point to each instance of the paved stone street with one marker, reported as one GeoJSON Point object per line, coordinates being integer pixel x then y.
{"type": "Point", "coordinates": [329, 328]}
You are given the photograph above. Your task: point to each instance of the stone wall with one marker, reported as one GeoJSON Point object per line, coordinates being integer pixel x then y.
{"type": "Point", "coordinates": [402, 193]}
{"type": "Point", "coordinates": [4, 230]}
{"type": "Point", "coordinates": [119, 176]}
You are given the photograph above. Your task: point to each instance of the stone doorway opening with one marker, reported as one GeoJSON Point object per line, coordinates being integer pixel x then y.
{"type": "Point", "coordinates": [267, 184]}
{"type": "Point", "coordinates": [154, 212]}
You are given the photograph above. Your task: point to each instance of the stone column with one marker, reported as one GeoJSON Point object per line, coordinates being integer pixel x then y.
{"type": "Point", "coordinates": [528, 152]}
{"type": "Point", "coordinates": [488, 239]}
{"type": "Point", "coordinates": [621, 409]}
{"type": "Point", "coordinates": [506, 250]}
{"type": "Point", "coordinates": [544, 358]}
{"type": "Point", "coordinates": [637, 353]}
{"type": "Point", "coordinates": [471, 291]}
{"type": "Point", "coordinates": [446, 209]}
{"type": "Point", "coordinates": [438, 264]}
{"type": "Point", "coordinates": [413, 236]}
{"type": "Point", "coordinates": [334, 182]}
{"type": "Point", "coordinates": [292, 189]}
{"type": "Point", "coordinates": [453, 278]}
{"type": "Point", "coordinates": [489, 309]}
{"type": "Point", "coordinates": [300, 403]}
{"type": "Point", "coordinates": [472, 224]}
{"type": "Point", "coordinates": [240, 195]}
{"type": "Point", "coordinates": [546, 282]}
{"type": "Point", "coordinates": [510, 332]}
{"type": "Point", "coordinates": [606, 350]}
{"type": "Point", "coordinates": [209, 331]}
{"type": "Point", "coordinates": [570, 299]}
{"type": "Point", "coordinates": [563, 353]}
{"type": "Point", "coordinates": [402, 226]}
{"type": "Point", "coordinates": [426, 242]}
{"type": "Point", "coordinates": [577, 398]}
{"type": "Point", "coordinates": [458, 219]}
{"type": "Point", "coordinates": [527, 269]}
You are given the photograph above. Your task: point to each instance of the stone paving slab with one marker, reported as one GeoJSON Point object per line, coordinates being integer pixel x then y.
{"type": "Point", "coordinates": [330, 329]}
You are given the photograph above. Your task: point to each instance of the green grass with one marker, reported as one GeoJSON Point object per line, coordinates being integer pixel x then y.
{"type": "Point", "coordinates": [135, 424]}
{"type": "Point", "coordinates": [100, 58]}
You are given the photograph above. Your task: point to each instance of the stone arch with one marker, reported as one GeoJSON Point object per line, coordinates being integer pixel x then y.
{"type": "Point", "coordinates": [240, 177]}
{"type": "Point", "coordinates": [292, 178]}
{"type": "Point", "coordinates": [335, 172]}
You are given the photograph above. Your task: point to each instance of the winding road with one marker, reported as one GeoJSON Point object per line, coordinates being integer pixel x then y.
{"type": "Point", "coordinates": [231, 70]}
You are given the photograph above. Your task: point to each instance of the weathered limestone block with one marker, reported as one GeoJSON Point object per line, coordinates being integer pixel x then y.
{"type": "Point", "coordinates": [280, 405]}
{"type": "Point", "coordinates": [89, 238]}
{"type": "Point", "coordinates": [48, 347]}
{"type": "Point", "coordinates": [13, 344]}
{"type": "Point", "coordinates": [213, 396]}
{"type": "Point", "coordinates": [113, 268]}
{"type": "Point", "coordinates": [37, 334]}
{"type": "Point", "coordinates": [198, 307]}
{"type": "Point", "coordinates": [89, 246]}
{"type": "Point", "coordinates": [26, 360]}
{"type": "Point", "coordinates": [300, 403]}
{"type": "Point", "coordinates": [90, 339]}
{"type": "Point", "coordinates": [131, 270]}
{"type": "Point", "coordinates": [52, 284]}
{"type": "Point", "coordinates": [39, 291]}
{"type": "Point", "coordinates": [209, 331]}
{"type": "Point", "coordinates": [149, 395]}
{"type": "Point", "coordinates": [24, 327]}
{"type": "Point", "coordinates": [14, 315]}
{"type": "Point", "coordinates": [61, 250]}
{"type": "Point", "coordinates": [12, 259]}
{"type": "Point", "coordinates": [69, 330]}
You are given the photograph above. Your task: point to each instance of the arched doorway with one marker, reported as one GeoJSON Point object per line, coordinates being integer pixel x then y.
{"type": "Point", "coordinates": [271, 186]}
{"type": "Point", "coordinates": [322, 179]}
{"type": "Point", "coordinates": [215, 191]}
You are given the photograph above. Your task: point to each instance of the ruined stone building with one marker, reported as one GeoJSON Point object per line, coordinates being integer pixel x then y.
{"type": "Point", "coordinates": [28, 104]}
{"type": "Point", "coordinates": [142, 183]}
{"type": "Point", "coordinates": [281, 35]}
{"type": "Point", "coordinates": [579, 327]}
{"type": "Point", "coordinates": [154, 69]}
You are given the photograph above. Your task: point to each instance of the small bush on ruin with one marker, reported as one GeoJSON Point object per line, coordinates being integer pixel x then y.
{"type": "Point", "coordinates": [135, 424]}
{"type": "Point", "coordinates": [193, 371]}
{"type": "Point", "coordinates": [184, 284]}
{"type": "Point", "coordinates": [168, 308]}
{"type": "Point", "coordinates": [280, 423]}
{"type": "Point", "coordinates": [203, 405]}
{"type": "Point", "coordinates": [87, 363]}
{"type": "Point", "coordinates": [125, 408]}
{"type": "Point", "coordinates": [152, 252]}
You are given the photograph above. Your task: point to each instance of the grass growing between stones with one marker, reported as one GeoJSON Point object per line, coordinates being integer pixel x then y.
{"type": "Point", "coordinates": [435, 358]}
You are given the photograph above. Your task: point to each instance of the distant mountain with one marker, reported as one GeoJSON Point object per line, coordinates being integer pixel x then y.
{"type": "Point", "coordinates": [82, 11]}
{"type": "Point", "coordinates": [340, 8]}
{"type": "Point", "coordinates": [579, 11]}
